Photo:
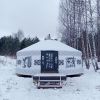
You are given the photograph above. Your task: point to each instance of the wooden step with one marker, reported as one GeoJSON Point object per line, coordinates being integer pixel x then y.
{"type": "Point", "coordinates": [49, 80]}
{"type": "Point", "coordinates": [50, 86]}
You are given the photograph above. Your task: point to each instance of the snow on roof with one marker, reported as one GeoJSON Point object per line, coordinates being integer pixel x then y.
{"type": "Point", "coordinates": [49, 45]}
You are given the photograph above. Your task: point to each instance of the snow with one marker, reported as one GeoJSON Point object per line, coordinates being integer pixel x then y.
{"type": "Point", "coordinates": [12, 87]}
{"type": "Point", "coordinates": [49, 45]}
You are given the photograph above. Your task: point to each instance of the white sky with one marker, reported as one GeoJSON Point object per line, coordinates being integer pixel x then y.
{"type": "Point", "coordinates": [34, 17]}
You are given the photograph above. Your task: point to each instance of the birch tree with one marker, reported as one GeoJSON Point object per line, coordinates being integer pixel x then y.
{"type": "Point", "coordinates": [98, 28]}
{"type": "Point", "coordinates": [76, 20]}
{"type": "Point", "coordinates": [71, 12]}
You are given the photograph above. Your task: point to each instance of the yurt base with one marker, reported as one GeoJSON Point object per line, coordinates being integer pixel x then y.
{"type": "Point", "coordinates": [49, 80]}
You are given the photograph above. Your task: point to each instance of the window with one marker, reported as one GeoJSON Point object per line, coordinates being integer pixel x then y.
{"type": "Point", "coordinates": [70, 62]}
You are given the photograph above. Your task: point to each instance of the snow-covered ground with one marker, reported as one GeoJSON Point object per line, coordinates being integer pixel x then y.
{"type": "Point", "coordinates": [12, 87]}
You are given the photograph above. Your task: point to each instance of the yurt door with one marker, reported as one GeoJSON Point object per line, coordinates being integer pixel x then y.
{"type": "Point", "coordinates": [49, 61]}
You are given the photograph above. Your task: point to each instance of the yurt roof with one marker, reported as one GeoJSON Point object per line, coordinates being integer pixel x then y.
{"type": "Point", "coordinates": [49, 45]}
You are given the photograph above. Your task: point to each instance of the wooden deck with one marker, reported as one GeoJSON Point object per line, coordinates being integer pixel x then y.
{"type": "Point", "coordinates": [49, 80]}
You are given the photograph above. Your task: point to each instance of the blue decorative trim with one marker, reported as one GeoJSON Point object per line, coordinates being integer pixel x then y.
{"type": "Point", "coordinates": [37, 62]}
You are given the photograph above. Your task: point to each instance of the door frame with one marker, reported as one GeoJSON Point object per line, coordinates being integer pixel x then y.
{"type": "Point", "coordinates": [56, 65]}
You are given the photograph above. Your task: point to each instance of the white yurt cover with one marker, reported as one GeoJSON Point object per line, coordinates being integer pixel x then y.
{"type": "Point", "coordinates": [49, 45]}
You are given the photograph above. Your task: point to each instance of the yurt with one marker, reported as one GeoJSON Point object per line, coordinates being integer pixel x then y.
{"type": "Point", "coordinates": [49, 56]}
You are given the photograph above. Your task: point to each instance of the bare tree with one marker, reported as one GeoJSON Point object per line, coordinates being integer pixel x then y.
{"type": "Point", "coordinates": [98, 28]}
{"type": "Point", "coordinates": [76, 18]}
{"type": "Point", "coordinates": [73, 18]}
{"type": "Point", "coordinates": [92, 32]}
{"type": "Point", "coordinates": [71, 12]}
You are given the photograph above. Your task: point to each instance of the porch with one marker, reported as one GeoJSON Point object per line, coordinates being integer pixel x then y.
{"type": "Point", "coordinates": [49, 80]}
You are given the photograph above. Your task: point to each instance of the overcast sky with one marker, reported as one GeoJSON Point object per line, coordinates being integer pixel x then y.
{"type": "Point", "coordinates": [34, 17]}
